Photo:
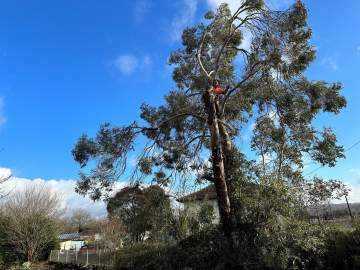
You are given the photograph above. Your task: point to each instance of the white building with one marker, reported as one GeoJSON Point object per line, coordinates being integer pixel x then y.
{"type": "Point", "coordinates": [206, 196]}
{"type": "Point", "coordinates": [70, 241]}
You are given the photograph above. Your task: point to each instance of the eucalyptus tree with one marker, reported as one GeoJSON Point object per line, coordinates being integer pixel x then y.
{"type": "Point", "coordinates": [266, 85]}
{"type": "Point", "coordinates": [144, 211]}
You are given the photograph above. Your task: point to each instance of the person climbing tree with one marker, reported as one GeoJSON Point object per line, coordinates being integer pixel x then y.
{"type": "Point", "coordinates": [217, 90]}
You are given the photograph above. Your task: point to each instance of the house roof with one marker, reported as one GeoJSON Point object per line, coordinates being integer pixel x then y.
{"type": "Point", "coordinates": [69, 236]}
{"type": "Point", "coordinates": [207, 193]}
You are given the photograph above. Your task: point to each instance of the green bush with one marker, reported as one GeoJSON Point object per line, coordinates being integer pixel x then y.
{"type": "Point", "coordinates": [343, 250]}
{"type": "Point", "coordinates": [199, 251]}
{"type": "Point", "coordinates": [299, 246]}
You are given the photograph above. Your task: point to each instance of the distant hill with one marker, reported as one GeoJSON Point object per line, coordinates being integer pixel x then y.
{"type": "Point", "coordinates": [341, 206]}
{"type": "Point", "coordinates": [335, 210]}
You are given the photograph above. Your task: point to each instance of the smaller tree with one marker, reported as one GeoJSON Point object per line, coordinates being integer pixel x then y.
{"type": "Point", "coordinates": [319, 193]}
{"type": "Point", "coordinates": [29, 221]}
{"type": "Point", "coordinates": [80, 219]}
{"type": "Point", "coordinates": [113, 233]}
{"type": "Point", "coordinates": [142, 211]}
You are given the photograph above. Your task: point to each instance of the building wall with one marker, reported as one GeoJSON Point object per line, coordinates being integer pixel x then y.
{"type": "Point", "coordinates": [194, 207]}
{"type": "Point", "coordinates": [71, 245]}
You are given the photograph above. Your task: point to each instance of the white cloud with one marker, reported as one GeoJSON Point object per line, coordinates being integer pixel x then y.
{"type": "Point", "coordinates": [185, 17]}
{"type": "Point", "coordinates": [129, 63]}
{"type": "Point", "coordinates": [233, 4]}
{"type": "Point", "coordinates": [354, 194]}
{"type": "Point", "coordinates": [358, 50]}
{"type": "Point", "coordinates": [4, 172]}
{"type": "Point", "coordinates": [330, 63]}
{"type": "Point", "coordinates": [126, 63]}
{"type": "Point", "coordinates": [141, 7]}
{"type": "Point", "coordinates": [66, 188]}
{"type": "Point", "coordinates": [356, 171]}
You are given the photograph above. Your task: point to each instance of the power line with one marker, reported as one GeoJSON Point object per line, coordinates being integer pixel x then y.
{"type": "Point", "coordinates": [346, 150]}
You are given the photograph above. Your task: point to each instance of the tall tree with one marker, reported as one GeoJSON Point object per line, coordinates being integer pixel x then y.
{"type": "Point", "coordinates": [266, 85]}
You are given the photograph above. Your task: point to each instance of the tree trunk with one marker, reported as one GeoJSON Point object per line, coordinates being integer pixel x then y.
{"type": "Point", "coordinates": [218, 164]}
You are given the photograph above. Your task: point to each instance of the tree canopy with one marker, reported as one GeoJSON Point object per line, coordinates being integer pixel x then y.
{"type": "Point", "coordinates": [141, 210]}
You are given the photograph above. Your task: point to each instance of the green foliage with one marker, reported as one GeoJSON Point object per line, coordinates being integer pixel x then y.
{"type": "Point", "coordinates": [201, 251]}
{"type": "Point", "coordinates": [185, 224]}
{"type": "Point", "coordinates": [342, 250]}
{"type": "Point", "coordinates": [6, 250]}
{"type": "Point", "coordinates": [295, 246]}
{"type": "Point", "coordinates": [24, 266]}
{"type": "Point", "coordinates": [112, 143]}
{"type": "Point", "coordinates": [206, 215]}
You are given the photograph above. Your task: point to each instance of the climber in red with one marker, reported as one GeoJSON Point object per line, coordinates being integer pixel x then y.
{"type": "Point", "coordinates": [217, 90]}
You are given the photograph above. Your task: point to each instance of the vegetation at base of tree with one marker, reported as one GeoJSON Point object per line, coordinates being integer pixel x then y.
{"type": "Point", "coordinates": [313, 246]}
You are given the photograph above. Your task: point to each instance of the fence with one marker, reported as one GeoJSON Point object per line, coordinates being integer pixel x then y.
{"type": "Point", "coordinates": [101, 258]}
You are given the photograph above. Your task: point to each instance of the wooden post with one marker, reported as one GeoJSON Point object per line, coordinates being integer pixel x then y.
{"type": "Point", "coordinates": [87, 257]}
{"type": "Point", "coordinates": [347, 202]}
{"type": "Point", "coordinates": [66, 255]}
{"type": "Point", "coordinates": [99, 257]}
{"type": "Point", "coordinates": [58, 256]}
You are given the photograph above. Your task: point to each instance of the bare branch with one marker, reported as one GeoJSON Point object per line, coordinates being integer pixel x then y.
{"type": "Point", "coordinates": [199, 56]}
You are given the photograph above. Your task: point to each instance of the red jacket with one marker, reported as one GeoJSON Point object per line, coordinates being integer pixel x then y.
{"type": "Point", "coordinates": [218, 90]}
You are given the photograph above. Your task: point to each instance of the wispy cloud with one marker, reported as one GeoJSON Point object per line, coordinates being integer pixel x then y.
{"type": "Point", "coordinates": [128, 63]}
{"type": "Point", "coordinates": [185, 17]}
{"type": "Point", "coordinates": [358, 50]}
{"type": "Point", "coordinates": [356, 172]}
{"type": "Point", "coordinates": [330, 63]}
{"type": "Point", "coordinates": [141, 7]}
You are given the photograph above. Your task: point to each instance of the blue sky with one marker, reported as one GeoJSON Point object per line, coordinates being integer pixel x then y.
{"type": "Point", "coordinates": [67, 66]}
